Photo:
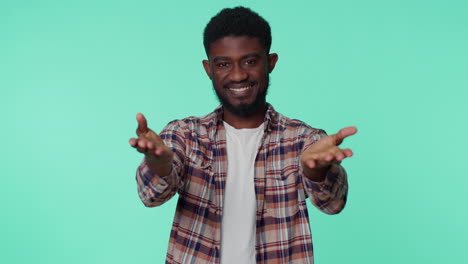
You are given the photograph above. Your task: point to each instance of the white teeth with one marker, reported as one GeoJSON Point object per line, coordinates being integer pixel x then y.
{"type": "Point", "coordinates": [239, 89]}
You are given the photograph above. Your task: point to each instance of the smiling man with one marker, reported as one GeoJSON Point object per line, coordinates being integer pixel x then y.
{"type": "Point", "coordinates": [243, 173]}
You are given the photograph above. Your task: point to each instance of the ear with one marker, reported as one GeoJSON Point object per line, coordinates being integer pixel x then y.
{"type": "Point", "coordinates": [206, 65]}
{"type": "Point", "coordinates": [272, 59]}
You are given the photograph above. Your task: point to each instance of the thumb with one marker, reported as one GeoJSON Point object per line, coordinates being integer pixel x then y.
{"type": "Point", "coordinates": [344, 133]}
{"type": "Point", "coordinates": [142, 124]}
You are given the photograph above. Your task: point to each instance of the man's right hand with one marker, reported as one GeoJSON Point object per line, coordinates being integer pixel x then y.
{"type": "Point", "coordinates": [158, 156]}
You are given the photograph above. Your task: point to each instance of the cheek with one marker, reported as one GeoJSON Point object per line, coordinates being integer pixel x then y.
{"type": "Point", "coordinates": [217, 81]}
{"type": "Point", "coordinates": [260, 76]}
{"type": "Point", "coordinates": [219, 77]}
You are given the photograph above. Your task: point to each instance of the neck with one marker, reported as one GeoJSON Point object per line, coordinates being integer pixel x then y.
{"type": "Point", "coordinates": [252, 121]}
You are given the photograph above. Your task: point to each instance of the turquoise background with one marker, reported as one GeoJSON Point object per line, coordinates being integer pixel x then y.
{"type": "Point", "coordinates": [73, 74]}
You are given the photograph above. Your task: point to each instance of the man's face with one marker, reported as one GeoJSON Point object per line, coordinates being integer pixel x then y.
{"type": "Point", "coordinates": [239, 69]}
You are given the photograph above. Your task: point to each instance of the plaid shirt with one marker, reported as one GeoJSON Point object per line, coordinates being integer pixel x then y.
{"type": "Point", "coordinates": [199, 176]}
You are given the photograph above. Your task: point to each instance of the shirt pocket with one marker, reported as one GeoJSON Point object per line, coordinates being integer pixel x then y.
{"type": "Point", "coordinates": [281, 193]}
{"type": "Point", "coordinates": [199, 162]}
{"type": "Point", "coordinates": [198, 170]}
{"type": "Point", "coordinates": [199, 185]}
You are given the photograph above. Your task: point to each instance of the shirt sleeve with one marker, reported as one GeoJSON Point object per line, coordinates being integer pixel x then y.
{"type": "Point", "coordinates": [330, 195]}
{"type": "Point", "coordinates": [153, 189]}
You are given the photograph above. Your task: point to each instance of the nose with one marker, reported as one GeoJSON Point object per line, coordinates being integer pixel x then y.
{"type": "Point", "coordinates": [238, 74]}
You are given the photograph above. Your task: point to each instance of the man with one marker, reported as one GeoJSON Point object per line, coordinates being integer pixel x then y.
{"type": "Point", "coordinates": [243, 172]}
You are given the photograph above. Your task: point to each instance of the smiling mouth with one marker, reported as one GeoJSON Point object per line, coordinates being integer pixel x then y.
{"type": "Point", "coordinates": [240, 89]}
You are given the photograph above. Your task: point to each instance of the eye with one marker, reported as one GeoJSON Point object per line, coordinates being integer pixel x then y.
{"type": "Point", "coordinates": [250, 62]}
{"type": "Point", "coordinates": [222, 65]}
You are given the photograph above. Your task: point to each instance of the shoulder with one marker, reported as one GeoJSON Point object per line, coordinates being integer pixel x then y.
{"type": "Point", "coordinates": [294, 126]}
{"type": "Point", "coordinates": [295, 132]}
{"type": "Point", "coordinates": [192, 124]}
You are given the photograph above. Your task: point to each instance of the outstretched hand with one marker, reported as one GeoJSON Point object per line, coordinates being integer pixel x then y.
{"type": "Point", "coordinates": [316, 160]}
{"type": "Point", "coordinates": [158, 155]}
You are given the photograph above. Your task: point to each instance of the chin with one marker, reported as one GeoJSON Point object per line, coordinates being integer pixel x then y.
{"type": "Point", "coordinates": [245, 109]}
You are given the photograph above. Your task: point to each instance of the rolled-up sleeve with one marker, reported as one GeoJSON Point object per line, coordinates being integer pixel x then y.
{"type": "Point", "coordinates": [329, 196]}
{"type": "Point", "coordinates": [153, 189]}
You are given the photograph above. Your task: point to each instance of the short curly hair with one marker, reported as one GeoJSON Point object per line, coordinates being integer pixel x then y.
{"type": "Point", "coordinates": [237, 21]}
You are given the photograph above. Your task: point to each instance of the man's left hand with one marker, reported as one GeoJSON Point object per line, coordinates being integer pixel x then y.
{"type": "Point", "coordinates": [316, 160]}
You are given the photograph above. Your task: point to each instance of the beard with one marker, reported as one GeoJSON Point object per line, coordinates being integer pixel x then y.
{"type": "Point", "coordinates": [245, 109]}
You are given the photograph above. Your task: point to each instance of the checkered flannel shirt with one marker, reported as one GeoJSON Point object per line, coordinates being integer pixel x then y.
{"type": "Point", "coordinates": [199, 176]}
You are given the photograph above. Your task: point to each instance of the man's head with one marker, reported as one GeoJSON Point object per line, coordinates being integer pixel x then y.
{"type": "Point", "coordinates": [237, 42]}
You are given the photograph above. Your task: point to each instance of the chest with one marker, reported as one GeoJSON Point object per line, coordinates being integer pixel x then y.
{"type": "Point", "coordinates": [276, 172]}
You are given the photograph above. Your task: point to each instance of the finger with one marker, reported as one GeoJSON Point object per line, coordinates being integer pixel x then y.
{"type": "Point", "coordinates": [344, 133]}
{"type": "Point", "coordinates": [329, 157]}
{"type": "Point", "coordinates": [142, 124]}
{"type": "Point", "coordinates": [133, 142]}
{"type": "Point", "coordinates": [159, 151]}
{"type": "Point", "coordinates": [139, 143]}
{"type": "Point", "coordinates": [142, 146]}
{"type": "Point", "coordinates": [141, 149]}
{"type": "Point", "coordinates": [317, 160]}
{"type": "Point", "coordinates": [348, 152]}
{"type": "Point", "coordinates": [145, 148]}
{"type": "Point", "coordinates": [311, 163]}
{"type": "Point", "coordinates": [150, 145]}
{"type": "Point", "coordinates": [339, 156]}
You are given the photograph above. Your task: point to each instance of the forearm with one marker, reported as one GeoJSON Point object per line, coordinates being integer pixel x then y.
{"type": "Point", "coordinates": [161, 170]}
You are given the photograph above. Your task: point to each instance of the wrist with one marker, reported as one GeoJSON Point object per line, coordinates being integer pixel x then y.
{"type": "Point", "coordinates": [316, 174]}
{"type": "Point", "coordinates": [159, 169]}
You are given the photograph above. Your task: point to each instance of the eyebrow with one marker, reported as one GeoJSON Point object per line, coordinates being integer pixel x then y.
{"type": "Point", "coordinates": [222, 58]}
{"type": "Point", "coordinates": [256, 55]}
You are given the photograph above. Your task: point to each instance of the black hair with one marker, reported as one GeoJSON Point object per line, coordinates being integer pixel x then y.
{"type": "Point", "coordinates": [237, 21]}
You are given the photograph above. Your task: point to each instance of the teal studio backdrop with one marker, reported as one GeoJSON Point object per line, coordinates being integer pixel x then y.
{"type": "Point", "coordinates": [73, 74]}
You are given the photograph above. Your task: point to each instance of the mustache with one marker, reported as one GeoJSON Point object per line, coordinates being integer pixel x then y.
{"type": "Point", "coordinates": [239, 84]}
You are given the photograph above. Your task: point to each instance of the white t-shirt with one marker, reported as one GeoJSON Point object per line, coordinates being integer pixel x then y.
{"type": "Point", "coordinates": [240, 205]}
